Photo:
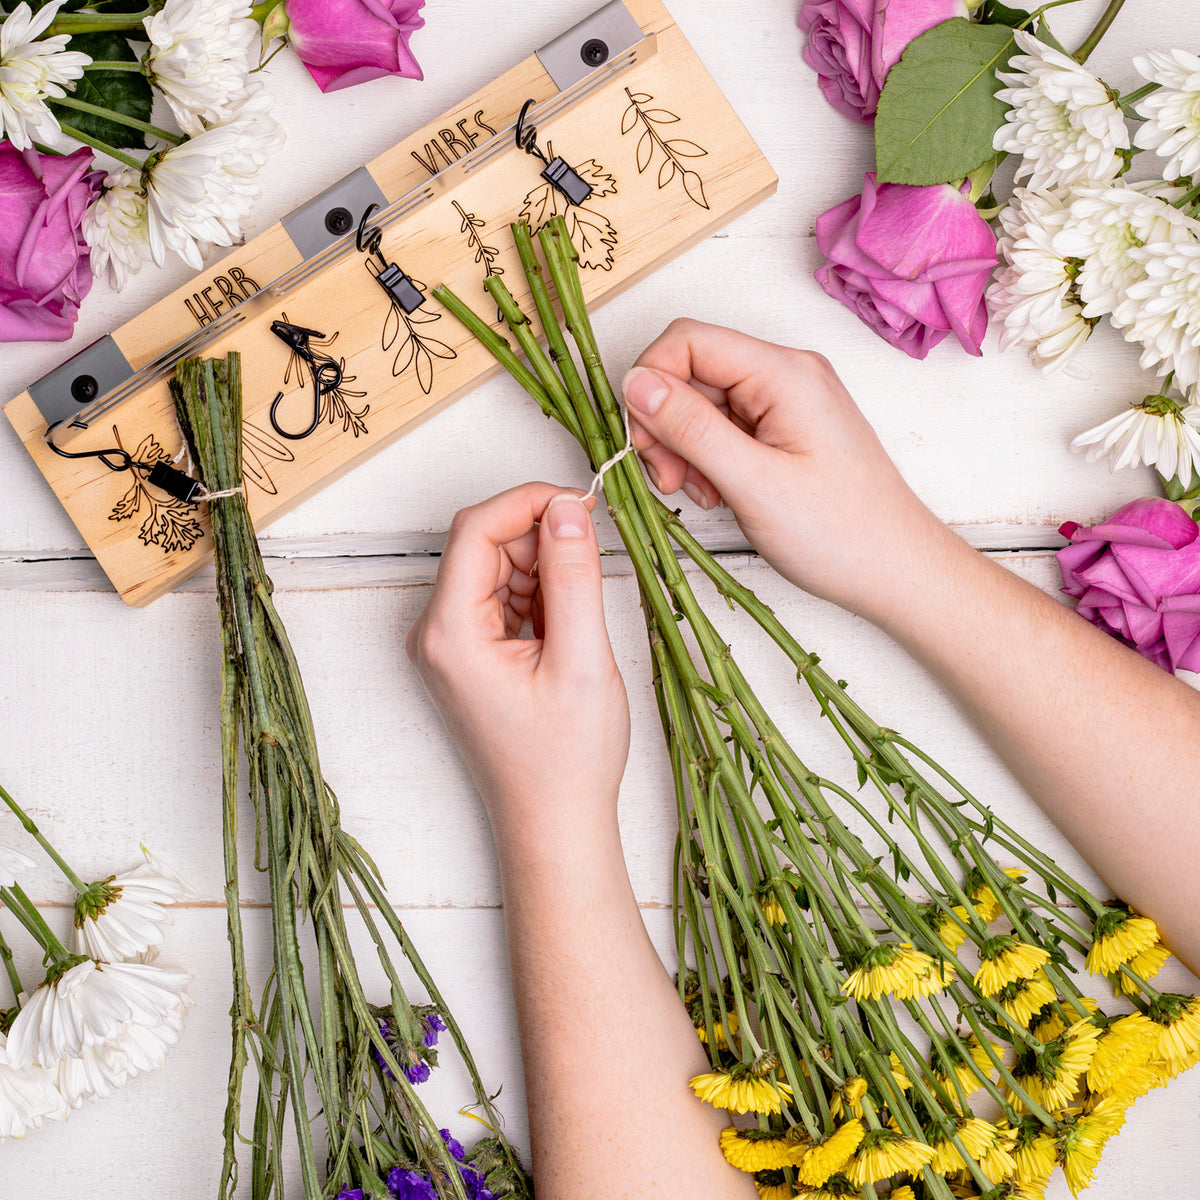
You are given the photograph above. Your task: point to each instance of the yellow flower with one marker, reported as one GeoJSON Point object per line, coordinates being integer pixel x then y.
{"type": "Point", "coordinates": [1006, 959]}
{"type": "Point", "coordinates": [720, 1028]}
{"type": "Point", "coordinates": [822, 1159]}
{"type": "Point", "coordinates": [741, 1091]}
{"type": "Point", "coordinates": [849, 1095]}
{"type": "Point", "coordinates": [1146, 965]}
{"type": "Point", "coordinates": [1118, 937]}
{"type": "Point", "coordinates": [838, 1187]}
{"type": "Point", "coordinates": [1022, 999]}
{"type": "Point", "coordinates": [884, 1153]}
{"type": "Point", "coordinates": [967, 1075]}
{"type": "Point", "coordinates": [1179, 1039]}
{"type": "Point", "coordinates": [986, 1143]}
{"type": "Point", "coordinates": [1127, 1043]}
{"type": "Point", "coordinates": [1035, 1153]}
{"type": "Point", "coordinates": [773, 1185]}
{"type": "Point", "coordinates": [1047, 1025]}
{"type": "Point", "coordinates": [1051, 1075]}
{"type": "Point", "coordinates": [772, 910]}
{"type": "Point", "coordinates": [898, 1072]}
{"type": "Point", "coordinates": [1131, 1085]}
{"type": "Point", "coordinates": [945, 928]}
{"type": "Point", "coordinates": [1081, 1141]}
{"type": "Point", "coordinates": [982, 896]}
{"type": "Point", "coordinates": [753, 1150]}
{"type": "Point", "coordinates": [896, 969]}
{"type": "Point", "coordinates": [903, 1192]}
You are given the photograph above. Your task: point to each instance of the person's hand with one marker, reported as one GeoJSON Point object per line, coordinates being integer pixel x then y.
{"type": "Point", "coordinates": [771, 432]}
{"type": "Point", "coordinates": [542, 722]}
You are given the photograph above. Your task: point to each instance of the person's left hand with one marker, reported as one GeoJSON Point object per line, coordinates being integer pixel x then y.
{"type": "Point", "coordinates": [542, 722]}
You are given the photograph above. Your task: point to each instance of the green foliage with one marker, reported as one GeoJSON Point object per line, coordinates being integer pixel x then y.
{"type": "Point", "coordinates": [126, 92]}
{"type": "Point", "coordinates": [938, 111]}
{"type": "Point", "coordinates": [995, 13]}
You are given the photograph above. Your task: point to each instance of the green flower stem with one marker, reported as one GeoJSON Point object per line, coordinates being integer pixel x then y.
{"type": "Point", "coordinates": [120, 118]}
{"type": "Point", "coordinates": [115, 65]}
{"type": "Point", "coordinates": [1089, 43]}
{"type": "Point", "coordinates": [73, 23]}
{"type": "Point", "coordinates": [30, 827]}
{"type": "Point", "coordinates": [10, 969]}
{"type": "Point", "coordinates": [26, 912]}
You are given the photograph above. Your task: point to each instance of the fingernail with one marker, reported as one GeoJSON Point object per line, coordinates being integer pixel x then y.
{"type": "Point", "coordinates": [644, 390]}
{"type": "Point", "coordinates": [695, 495]}
{"type": "Point", "coordinates": [567, 517]}
{"type": "Point", "coordinates": [654, 479]}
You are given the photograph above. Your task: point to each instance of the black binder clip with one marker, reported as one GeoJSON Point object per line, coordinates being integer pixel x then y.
{"type": "Point", "coordinates": [394, 281]}
{"type": "Point", "coordinates": [558, 172]}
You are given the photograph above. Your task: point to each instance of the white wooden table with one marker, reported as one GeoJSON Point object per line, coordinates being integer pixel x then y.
{"type": "Point", "coordinates": [109, 715]}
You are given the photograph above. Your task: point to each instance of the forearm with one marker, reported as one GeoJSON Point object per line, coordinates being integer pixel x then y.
{"type": "Point", "coordinates": [608, 1048]}
{"type": "Point", "coordinates": [1103, 740]}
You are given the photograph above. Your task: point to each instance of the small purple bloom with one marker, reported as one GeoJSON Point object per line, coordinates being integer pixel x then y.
{"type": "Point", "coordinates": [350, 1194]}
{"type": "Point", "coordinates": [418, 1072]}
{"type": "Point", "coordinates": [453, 1145]}
{"type": "Point", "coordinates": [473, 1182]}
{"type": "Point", "coordinates": [408, 1185]}
{"type": "Point", "coordinates": [433, 1026]}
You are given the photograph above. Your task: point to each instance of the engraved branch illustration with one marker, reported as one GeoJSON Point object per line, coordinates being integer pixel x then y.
{"type": "Point", "coordinates": [416, 350]}
{"type": "Point", "coordinates": [673, 149]}
{"type": "Point", "coordinates": [592, 233]}
{"type": "Point", "coordinates": [167, 522]}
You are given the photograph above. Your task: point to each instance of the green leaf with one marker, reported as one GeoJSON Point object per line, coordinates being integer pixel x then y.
{"type": "Point", "coordinates": [126, 92]}
{"type": "Point", "coordinates": [938, 111]}
{"type": "Point", "coordinates": [995, 13]}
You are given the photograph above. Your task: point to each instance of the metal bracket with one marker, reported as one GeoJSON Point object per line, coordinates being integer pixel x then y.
{"type": "Point", "coordinates": [597, 39]}
{"type": "Point", "coordinates": [69, 389]}
{"type": "Point", "coordinates": [327, 218]}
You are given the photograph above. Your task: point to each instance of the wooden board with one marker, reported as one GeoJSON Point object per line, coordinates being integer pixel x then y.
{"type": "Point", "coordinates": [668, 161]}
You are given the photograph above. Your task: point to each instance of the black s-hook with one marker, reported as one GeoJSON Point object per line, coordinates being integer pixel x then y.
{"type": "Point", "coordinates": [326, 373]}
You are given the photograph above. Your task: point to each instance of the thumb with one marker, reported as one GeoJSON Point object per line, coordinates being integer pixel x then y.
{"type": "Point", "coordinates": [689, 424]}
{"type": "Point", "coordinates": [575, 637]}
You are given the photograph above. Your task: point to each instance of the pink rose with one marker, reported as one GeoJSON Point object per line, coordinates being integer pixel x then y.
{"type": "Point", "coordinates": [344, 42]}
{"type": "Point", "coordinates": [1137, 576]}
{"type": "Point", "coordinates": [852, 44]}
{"type": "Point", "coordinates": [910, 262]}
{"type": "Point", "coordinates": [45, 270]}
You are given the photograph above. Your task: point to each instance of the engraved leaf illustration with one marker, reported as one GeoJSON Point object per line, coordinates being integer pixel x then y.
{"type": "Point", "coordinates": [424, 368]}
{"type": "Point", "coordinates": [540, 205]}
{"type": "Point", "coordinates": [128, 504]}
{"type": "Point", "coordinates": [645, 150]}
{"type": "Point", "coordinates": [593, 236]}
{"type": "Point", "coordinates": [694, 186]}
{"type": "Point", "coordinates": [258, 445]}
{"type": "Point", "coordinates": [603, 184]}
{"type": "Point", "coordinates": [666, 172]}
{"type": "Point", "coordinates": [391, 327]}
{"type": "Point", "coordinates": [629, 118]}
{"type": "Point", "coordinates": [660, 116]}
{"type": "Point", "coordinates": [423, 315]}
{"type": "Point", "coordinates": [439, 349]}
{"type": "Point", "coordinates": [404, 356]}
{"type": "Point", "coordinates": [171, 525]}
{"type": "Point", "coordinates": [640, 97]}
{"type": "Point", "coordinates": [683, 148]}
{"type": "Point", "coordinates": [149, 451]}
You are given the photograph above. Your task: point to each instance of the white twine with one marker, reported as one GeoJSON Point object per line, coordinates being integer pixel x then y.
{"type": "Point", "coordinates": [612, 462]}
{"type": "Point", "coordinates": [205, 494]}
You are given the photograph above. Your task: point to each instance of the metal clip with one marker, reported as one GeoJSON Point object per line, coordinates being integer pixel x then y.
{"type": "Point", "coordinates": [398, 286]}
{"type": "Point", "coordinates": [326, 373]}
{"type": "Point", "coordinates": [558, 172]}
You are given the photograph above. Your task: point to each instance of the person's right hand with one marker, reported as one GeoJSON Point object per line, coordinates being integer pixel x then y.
{"type": "Point", "coordinates": [772, 432]}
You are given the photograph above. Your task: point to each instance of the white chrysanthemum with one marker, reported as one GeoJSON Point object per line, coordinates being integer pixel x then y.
{"type": "Point", "coordinates": [12, 863]}
{"type": "Point", "coordinates": [203, 190]}
{"type": "Point", "coordinates": [1033, 292]}
{"type": "Point", "coordinates": [1146, 435]}
{"type": "Point", "coordinates": [27, 1097]}
{"type": "Point", "coordinates": [88, 1005]}
{"type": "Point", "coordinates": [115, 226]}
{"type": "Point", "coordinates": [199, 58]}
{"type": "Point", "coordinates": [31, 71]}
{"type": "Point", "coordinates": [122, 917]}
{"type": "Point", "coordinates": [1172, 114]}
{"type": "Point", "coordinates": [1063, 120]}
{"type": "Point", "coordinates": [98, 1070]}
{"type": "Point", "coordinates": [1163, 310]}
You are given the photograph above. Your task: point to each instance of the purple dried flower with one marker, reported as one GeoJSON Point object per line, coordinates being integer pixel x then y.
{"type": "Point", "coordinates": [433, 1026]}
{"type": "Point", "coordinates": [453, 1145]}
{"type": "Point", "coordinates": [408, 1185]}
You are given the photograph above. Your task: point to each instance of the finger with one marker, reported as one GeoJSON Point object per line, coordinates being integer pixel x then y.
{"type": "Point", "coordinates": [574, 636]}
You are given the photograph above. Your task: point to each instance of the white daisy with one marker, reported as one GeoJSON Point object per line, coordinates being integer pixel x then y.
{"type": "Point", "coordinates": [1172, 114]}
{"type": "Point", "coordinates": [88, 1005]}
{"type": "Point", "coordinates": [27, 1097]}
{"type": "Point", "coordinates": [1156, 433]}
{"type": "Point", "coordinates": [1163, 309]}
{"type": "Point", "coordinates": [120, 918]}
{"type": "Point", "coordinates": [115, 226]}
{"type": "Point", "coordinates": [31, 71]}
{"type": "Point", "coordinates": [97, 1071]}
{"type": "Point", "coordinates": [1063, 120]}
{"type": "Point", "coordinates": [1033, 292]}
{"type": "Point", "coordinates": [12, 863]}
{"type": "Point", "coordinates": [203, 190]}
{"type": "Point", "coordinates": [199, 58]}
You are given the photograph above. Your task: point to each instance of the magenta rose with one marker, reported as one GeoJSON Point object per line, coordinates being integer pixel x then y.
{"type": "Point", "coordinates": [1137, 576]}
{"type": "Point", "coordinates": [45, 270]}
{"type": "Point", "coordinates": [853, 44]}
{"type": "Point", "coordinates": [344, 42]}
{"type": "Point", "coordinates": [910, 262]}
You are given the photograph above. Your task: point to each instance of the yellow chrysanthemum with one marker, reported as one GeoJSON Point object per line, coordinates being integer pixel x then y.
{"type": "Point", "coordinates": [753, 1150]}
{"type": "Point", "coordinates": [1081, 1142]}
{"type": "Point", "coordinates": [739, 1091]}
{"type": "Point", "coordinates": [1022, 999]}
{"type": "Point", "coordinates": [773, 1185]}
{"type": "Point", "coordinates": [896, 969]}
{"type": "Point", "coordinates": [1049, 1023]}
{"type": "Point", "coordinates": [884, 1153]}
{"type": "Point", "coordinates": [1035, 1154]}
{"type": "Point", "coordinates": [848, 1097]}
{"type": "Point", "coordinates": [898, 1072]}
{"type": "Point", "coordinates": [982, 896]}
{"type": "Point", "coordinates": [903, 1192]}
{"type": "Point", "coordinates": [1135, 1083]}
{"type": "Point", "coordinates": [1006, 959]}
{"type": "Point", "coordinates": [990, 1146]}
{"type": "Point", "coordinates": [836, 1188]}
{"type": "Point", "coordinates": [772, 910]}
{"type": "Point", "coordinates": [964, 1079]}
{"type": "Point", "coordinates": [1127, 1043]}
{"type": "Point", "coordinates": [1146, 965]}
{"type": "Point", "coordinates": [1179, 1037]}
{"type": "Point", "coordinates": [1051, 1076]}
{"type": "Point", "coordinates": [721, 1031]}
{"type": "Point", "coordinates": [816, 1163]}
{"type": "Point", "coordinates": [950, 932]}
{"type": "Point", "coordinates": [1119, 936]}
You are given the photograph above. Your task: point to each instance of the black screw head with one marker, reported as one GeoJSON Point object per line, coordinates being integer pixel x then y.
{"type": "Point", "coordinates": [339, 220]}
{"type": "Point", "coordinates": [84, 388]}
{"type": "Point", "coordinates": [594, 52]}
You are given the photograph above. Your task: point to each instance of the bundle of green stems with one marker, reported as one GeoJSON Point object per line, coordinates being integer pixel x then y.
{"type": "Point", "coordinates": [341, 1067]}
{"type": "Point", "coordinates": [851, 997]}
